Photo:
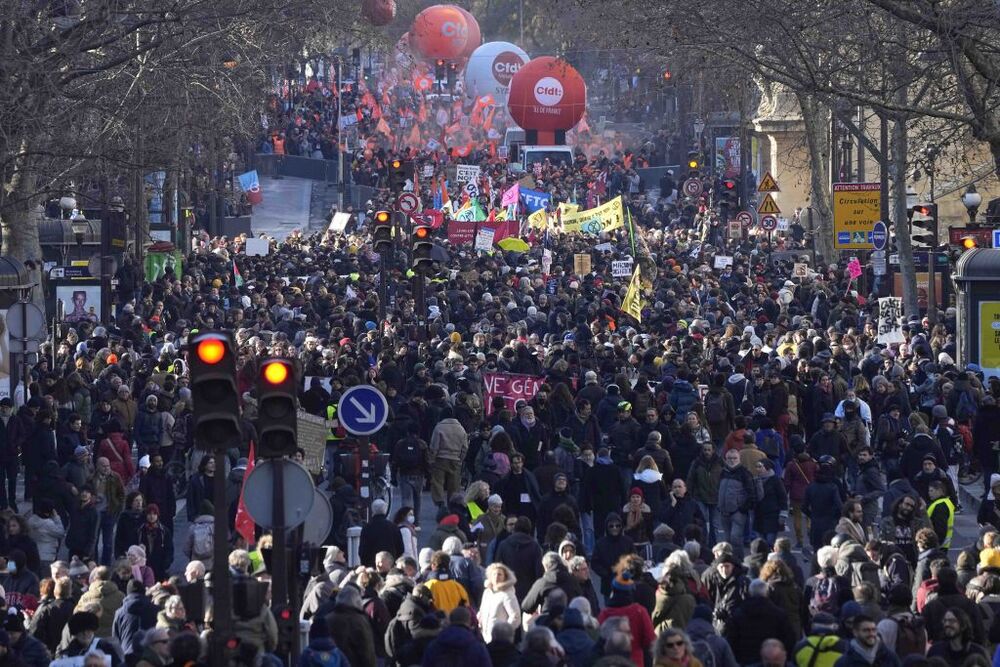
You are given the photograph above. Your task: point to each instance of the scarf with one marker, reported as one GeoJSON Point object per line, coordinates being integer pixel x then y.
{"type": "Point", "coordinates": [869, 655]}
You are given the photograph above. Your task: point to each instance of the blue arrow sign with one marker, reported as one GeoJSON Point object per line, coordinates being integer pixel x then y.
{"type": "Point", "coordinates": [880, 235]}
{"type": "Point", "coordinates": [362, 410]}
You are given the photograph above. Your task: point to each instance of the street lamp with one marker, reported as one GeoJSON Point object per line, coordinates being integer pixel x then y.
{"type": "Point", "coordinates": [972, 199]}
{"type": "Point", "coordinates": [78, 223]}
{"type": "Point", "coordinates": [67, 203]}
{"type": "Point", "coordinates": [931, 153]}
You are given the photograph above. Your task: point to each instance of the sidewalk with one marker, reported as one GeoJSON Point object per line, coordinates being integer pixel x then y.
{"type": "Point", "coordinates": [285, 207]}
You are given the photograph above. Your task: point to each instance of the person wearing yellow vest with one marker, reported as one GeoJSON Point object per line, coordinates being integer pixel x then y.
{"type": "Point", "coordinates": [822, 647]}
{"type": "Point", "coordinates": [335, 434]}
{"type": "Point", "coordinates": [941, 512]}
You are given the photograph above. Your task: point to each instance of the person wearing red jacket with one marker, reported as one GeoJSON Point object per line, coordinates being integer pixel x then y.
{"type": "Point", "coordinates": [798, 475]}
{"type": "Point", "coordinates": [622, 603]}
{"type": "Point", "coordinates": [115, 448]}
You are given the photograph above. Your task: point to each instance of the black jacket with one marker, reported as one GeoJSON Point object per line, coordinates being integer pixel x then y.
{"type": "Point", "coordinates": [754, 620]}
{"type": "Point", "coordinates": [523, 555]}
{"type": "Point", "coordinates": [558, 578]}
{"type": "Point", "coordinates": [136, 614]}
{"type": "Point", "coordinates": [379, 535]}
{"type": "Point", "coordinates": [607, 551]}
{"type": "Point", "coordinates": [49, 620]}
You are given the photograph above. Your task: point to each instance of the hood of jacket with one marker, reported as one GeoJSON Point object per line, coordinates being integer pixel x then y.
{"type": "Point", "coordinates": [699, 629]}
{"type": "Point", "coordinates": [456, 637]}
{"type": "Point", "coordinates": [649, 476]}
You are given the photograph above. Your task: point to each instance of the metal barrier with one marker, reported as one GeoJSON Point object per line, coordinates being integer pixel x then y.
{"type": "Point", "coordinates": [353, 543]}
{"type": "Point", "coordinates": [294, 166]}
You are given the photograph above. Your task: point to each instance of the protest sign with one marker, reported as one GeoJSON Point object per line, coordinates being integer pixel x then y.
{"type": "Point", "coordinates": [512, 387]}
{"type": "Point", "coordinates": [890, 315]}
{"type": "Point", "coordinates": [621, 268]}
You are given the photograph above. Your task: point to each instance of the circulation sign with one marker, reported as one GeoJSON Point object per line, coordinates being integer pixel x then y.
{"type": "Point", "coordinates": [362, 410]}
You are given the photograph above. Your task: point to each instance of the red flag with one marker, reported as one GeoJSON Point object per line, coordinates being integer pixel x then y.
{"type": "Point", "coordinates": [244, 524]}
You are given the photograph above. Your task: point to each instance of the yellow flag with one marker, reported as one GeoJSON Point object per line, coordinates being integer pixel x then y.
{"type": "Point", "coordinates": [604, 218]}
{"type": "Point", "coordinates": [632, 304]}
{"type": "Point", "coordinates": [568, 209]}
{"type": "Point", "coordinates": [538, 219]}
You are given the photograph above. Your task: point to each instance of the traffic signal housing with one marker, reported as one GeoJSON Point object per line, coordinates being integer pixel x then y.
{"type": "Point", "coordinates": [439, 70]}
{"type": "Point", "coordinates": [382, 232]}
{"type": "Point", "coordinates": [400, 171]}
{"type": "Point", "coordinates": [452, 76]}
{"type": "Point", "coordinates": [277, 418]}
{"type": "Point", "coordinates": [694, 164]}
{"type": "Point", "coordinates": [212, 362]}
{"type": "Point", "coordinates": [923, 220]}
{"type": "Point", "coordinates": [422, 246]}
{"type": "Point", "coordinates": [288, 628]}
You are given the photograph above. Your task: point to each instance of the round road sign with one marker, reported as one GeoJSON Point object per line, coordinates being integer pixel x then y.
{"type": "Point", "coordinates": [768, 223]}
{"type": "Point", "coordinates": [26, 320]}
{"type": "Point", "coordinates": [692, 187]}
{"type": "Point", "coordinates": [880, 235]}
{"type": "Point", "coordinates": [744, 218]}
{"type": "Point", "coordinates": [258, 492]}
{"type": "Point", "coordinates": [362, 410]}
{"type": "Point", "coordinates": [407, 202]}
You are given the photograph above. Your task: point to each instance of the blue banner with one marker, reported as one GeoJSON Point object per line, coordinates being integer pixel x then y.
{"type": "Point", "coordinates": [534, 200]}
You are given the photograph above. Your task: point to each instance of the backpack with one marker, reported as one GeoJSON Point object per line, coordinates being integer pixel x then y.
{"type": "Point", "coordinates": [966, 408]}
{"type": "Point", "coordinates": [313, 658]}
{"type": "Point", "coordinates": [702, 651]}
{"type": "Point", "coordinates": [204, 538]}
{"type": "Point", "coordinates": [911, 635]}
{"type": "Point", "coordinates": [769, 445]}
{"type": "Point", "coordinates": [408, 454]}
{"type": "Point", "coordinates": [179, 431]}
{"type": "Point", "coordinates": [863, 571]}
{"type": "Point", "coordinates": [793, 410]}
{"type": "Point", "coordinates": [824, 653]}
{"type": "Point", "coordinates": [715, 407]}
{"type": "Point", "coordinates": [826, 596]}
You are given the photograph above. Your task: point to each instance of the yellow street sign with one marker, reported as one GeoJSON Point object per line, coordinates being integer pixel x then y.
{"type": "Point", "coordinates": [768, 184]}
{"type": "Point", "coordinates": [768, 206]}
{"type": "Point", "coordinates": [856, 209]}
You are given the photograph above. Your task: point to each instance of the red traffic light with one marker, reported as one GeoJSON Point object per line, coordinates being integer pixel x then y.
{"type": "Point", "coordinates": [729, 184]}
{"type": "Point", "coordinates": [421, 232]}
{"type": "Point", "coordinates": [211, 351]}
{"type": "Point", "coordinates": [382, 217]}
{"type": "Point", "coordinates": [275, 372]}
{"type": "Point", "coordinates": [667, 75]}
{"type": "Point", "coordinates": [233, 643]}
{"type": "Point", "coordinates": [286, 614]}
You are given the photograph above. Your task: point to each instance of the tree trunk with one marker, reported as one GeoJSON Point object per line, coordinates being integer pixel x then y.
{"type": "Point", "coordinates": [899, 145]}
{"type": "Point", "coordinates": [816, 119]}
{"type": "Point", "coordinates": [19, 222]}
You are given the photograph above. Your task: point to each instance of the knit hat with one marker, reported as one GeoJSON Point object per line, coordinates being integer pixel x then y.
{"type": "Point", "coordinates": [82, 621]}
{"type": "Point", "coordinates": [623, 582]}
{"type": "Point", "coordinates": [850, 610]}
{"type": "Point", "coordinates": [939, 412]}
{"type": "Point", "coordinates": [144, 461]}
{"type": "Point", "coordinates": [590, 377]}
{"type": "Point", "coordinates": [77, 568]}
{"type": "Point", "coordinates": [636, 491]}
{"type": "Point", "coordinates": [494, 500]}
{"type": "Point", "coordinates": [704, 612]}
{"type": "Point", "coordinates": [14, 621]}
{"type": "Point", "coordinates": [824, 622]}
{"type": "Point", "coordinates": [989, 558]}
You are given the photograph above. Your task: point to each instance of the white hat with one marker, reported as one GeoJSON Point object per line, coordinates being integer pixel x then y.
{"type": "Point", "coordinates": [494, 500]}
{"type": "Point", "coordinates": [144, 461]}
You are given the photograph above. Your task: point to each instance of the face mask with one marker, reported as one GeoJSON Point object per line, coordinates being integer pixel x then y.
{"type": "Point", "coordinates": [410, 518]}
{"type": "Point", "coordinates": [11, 567]}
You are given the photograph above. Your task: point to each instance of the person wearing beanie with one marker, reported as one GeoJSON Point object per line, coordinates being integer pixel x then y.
{"type": "Point", "coordinates": [427, 630]}
{"type": "Point", "coordinates": [622, 603]}
{"type": "Point", "coordinates": [379, 534]}
{"type": "Point", "coordinates": [157, 540]}
{"type": "Point", "coordinates": [158, 489]}
{"type": "Point", "coordinates": [493, 522]}
{"type": "Point", "coordinates": [83, 630]}
{"type": "Point", "coordinates": [728, 585]}
{"type": "Point", "coordinates": [638, 518]}
{"type": "Point", "coordinates": [592, 390]}
{"type": "Point", "coordinates": [555, 577]}
{"type": "Point", "coordinates": [609, 549]}
{"type": "Point", "coordinates": [20, 643]}
{"type": "Point", "coordinates": [701, 629]}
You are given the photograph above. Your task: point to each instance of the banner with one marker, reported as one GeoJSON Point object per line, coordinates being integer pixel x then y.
{"type": "Point", "coordinates": [534, 199]}
{"type": "Point", "coordinates": [512, 387]}
{"type": "Point", "coordinates": [467, 173]}
{"type": "Point", "coordinates": [632, 303]}
{"type": "Point", "coordinates": [604, 218]}
{"type": "Point", "coordinates": [539, 219]}
{"type": "Point", "coordinates": [250, 183]}
{"type": "Point", "coordinates": [433, 219]}
{"type": "Point", "coordinates": [510, 196]}
{"type": "Point", "coordinates": [484, 239]}
{"type": "Point", "coordinates": [890, 316]}
{"type": "Point", "coordinates": [461, 232]}
{"type": "Point", "coordinates": [471, 213]}
{"type": "Point", "coordinates": [339, 223]}
{"type": "Point", "coordinates": [568, 209]}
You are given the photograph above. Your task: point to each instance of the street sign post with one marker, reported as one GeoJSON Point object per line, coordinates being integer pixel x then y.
{"type": "Point", "coordinates": [856, 209]}
{"type": "Point", "coordinates": [297, 488]}
{"type": "Point", "coordinates": [880, 235]}
{"type": "Point", "coordinates": [768, 184]}
{"type": "Point", "coordinates": [362, 410]}
{"type": "Point", "coordinates": [769, 206]}
{"type": "Point", "coordinates": [768, 223]}
{"type": "Point", "coordinates": [745, 218]}
{"type": "Point", "coordinates": [407, 203]}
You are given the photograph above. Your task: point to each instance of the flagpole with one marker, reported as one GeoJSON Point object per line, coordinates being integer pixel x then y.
{"type": "Point", "coordinates": [631, 230]}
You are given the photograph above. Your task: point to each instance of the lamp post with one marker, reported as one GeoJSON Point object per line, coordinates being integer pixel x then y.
{"type": "Point", "coordinates": [67, 203]}
{"type": "Point", "coordinates": [931, 153]}
{"type": "Point", "coordinates": [972, 199]}
{"type": "Point", "coordinates": [78, 223]}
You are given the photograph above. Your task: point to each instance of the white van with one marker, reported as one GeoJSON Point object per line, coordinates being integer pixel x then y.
{"type": "Point", "coordinates": [521, 158]}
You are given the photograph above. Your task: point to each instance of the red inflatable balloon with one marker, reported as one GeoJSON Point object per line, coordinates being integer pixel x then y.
{"type": "Point", "coordinates": [547, 94]}
{"type": "Point", "coordinates": [441, 32]}
{"type": "Point", "coordinates": [475, 37]}
{"type": "Point", "coordinates": [379, 12]}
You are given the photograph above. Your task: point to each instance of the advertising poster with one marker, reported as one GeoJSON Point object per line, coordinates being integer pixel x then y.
{"type": "Point", "coordinates": [81, 303]}
{"type": "Point", "coordinates": [727, 157]}
{"type": "Point", "coordinates": [989, 337]}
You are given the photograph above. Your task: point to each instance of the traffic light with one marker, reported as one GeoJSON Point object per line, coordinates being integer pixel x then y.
{"type": "Point", "coordinates": [923, 226]}
{"type": "Point", "coordinates": [277, 421]}
{"type": "Point", "coordinates": [694, 164]}
{"type": "Point", "coordinates": [422, 245]}
{"type": "Point", "coordinates": [382, 232]}
{"type": "Point", "coordinates": [439, 71]}
{"type": "Point", "coordinates": [969, 243]}
{"type": "Point", "coordinates": [452, 76]}
{"type": "Point", "coordinates": [288, 628]}
{"type": "Point", "coordinates": [212, 360]}
{"type": "Point", "coordinates": [667, 76]}
{"type": "Point", "coordinates": [400, 171]}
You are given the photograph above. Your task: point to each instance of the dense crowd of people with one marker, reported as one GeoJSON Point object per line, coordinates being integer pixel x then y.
{"type": "Point", "coordinates": [741, 475]}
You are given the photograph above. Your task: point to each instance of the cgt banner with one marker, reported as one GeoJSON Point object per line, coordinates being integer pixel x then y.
{"type": "Point", "coordinates": [250, 183]}
{"type": "Point", "coordinates": [512, 387]}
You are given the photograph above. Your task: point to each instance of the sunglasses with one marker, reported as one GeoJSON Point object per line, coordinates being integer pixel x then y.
{"type": "Point", "coordinates": [679, 642]}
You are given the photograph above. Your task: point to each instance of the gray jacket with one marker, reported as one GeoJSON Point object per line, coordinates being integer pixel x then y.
{"type": "Point", "coordinates": [449, 441]}
{"type": "Point", "coordinates": [870, 486]}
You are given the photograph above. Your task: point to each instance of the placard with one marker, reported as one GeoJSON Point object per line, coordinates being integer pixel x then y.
{"type": "Point", "coordinates": [339, 222]}
{"type": "Point", "coordinates": [989, 337]}
{"type": "Point", "coordinates": [484, 239]}
{"type": "Point", "coordinates": [890, 317]}
{"type": "Point", "coordinates": [581, 263]}
{"type": "Point", "coordinates": [464, 173]}
{"type": "Point", "coordinates": [621, 268]}
{"type": "Point", "coordinates": [800, 270]}
{"type": "Point", "coordinates": [854, 268]}
{"type": "Point", "coordinates": [258, 247]}
{"type": "Point", "coordinates": [722, 261]}
{"type": "Point", "coordinates": [427, 171]}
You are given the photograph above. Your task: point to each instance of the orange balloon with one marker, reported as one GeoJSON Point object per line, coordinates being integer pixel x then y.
{"type": "Point", "coordinates": [439, 32]}
{"type": "Point", "coordinates": [475, 38]}
{"type": "Point", "coordinates": [379, 12]}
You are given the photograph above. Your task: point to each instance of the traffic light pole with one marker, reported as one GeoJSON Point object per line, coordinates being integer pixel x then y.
{"type": "Point", "coordinates": [931, 262]}
{"type": "Point", "coordinates": [222, 590]}
{"type": "Point", "coordinates": [279, 556]}
{"type": "Point", "coordinates": [383, 291]}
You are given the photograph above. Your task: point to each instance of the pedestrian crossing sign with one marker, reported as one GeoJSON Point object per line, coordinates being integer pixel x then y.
{"type": "Point", "coordinates": [768, 184]}
{"type": "Point", "coordinates": [768, 206]}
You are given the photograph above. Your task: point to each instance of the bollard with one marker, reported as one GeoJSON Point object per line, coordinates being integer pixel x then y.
{"type": "Point", "coordinates": [353, 542]}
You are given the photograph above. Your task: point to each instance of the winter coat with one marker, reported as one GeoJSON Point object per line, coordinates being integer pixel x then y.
{"type": "Point", "coordinates": [115, 448]}
{"type": "Point", "coordinates": [674, 605]}
{"type": "Point", "coordinates": [601, 489]}
{"type": "Point", "coordinates": [110, 598]}
{"type": "Point", "coordinates": [911, 462]}
{"type": "Point", "coordinates": [737, 490]}
{"type": "Point", "coordinates": [449, 441]}
{"type": "Point", "coordinates": [853, 658]}
{"type": "Point", "coordinates": [127, 530]}
{"type": "Point", "coordinates": [870, 486]}
{"type": "Point", "coordinates": [654, 489]}
{"type": "Point", "coordinates": [607, 551]}
{"type": "Point", "coordinates": [30, 651]}
{"type": "Point", "coordinates": [49, 621]}
{"type": "Point", "coordinates": [406, 622]}
{"type": "Point", "coordinates": [774, 501]}
{"type": "Point", "coordinates": [548, 582]}
{"type": "Point", "coordinates": [81, 538]}
{"type": "Point", "coordinates": [456, 646]}
{"type": "Point", "coordinates": [203, 523]}
{"type": "Point", "coordinates": [523, 555]}
{"type": "Point", "coordinates": [702, 631]}
{"type": "Point", "coordinates": [379, 534]}
{"type": "Point", "coordinates": [157, 488]}
{"type": "Point", "coordinates": [902, 533]}
{"type": "Point", "coordinates": [822, 504]}
{"type": "Point", "coordinates": [680, 514]}
{"type": "Point", "coordinates": [352, 632]}
{"type": "Point", "coordinates": [260, 630]}
{"type": "Point", "coordinates": [48, 533]}
{"type": "Point", "coordinates": [682, 399]}
{"type": "Point", "coordinates": [640, 624]}
{"type": "Point", "coordinates": [575, 640]}
{"type": "Point", "coordinates": [159, 544]}
{"type": "Point", "coordinates": [787, 596]}
{"type": "Point", "coordinates": [136, 614]}
{"type": "Point", "coordinates": [703, 479]}
{"type": "Point", "coordinates": [798, 475]}
{"type": "Point", "coordinates": [753, 621]}
{"type": "Point", "coordinates": [498, 604]}
{"type": "Point", "coordinates": [443, 531]}
{"type": "Point", "coordinates": [726, 594]}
